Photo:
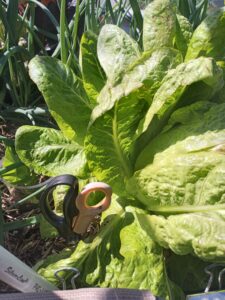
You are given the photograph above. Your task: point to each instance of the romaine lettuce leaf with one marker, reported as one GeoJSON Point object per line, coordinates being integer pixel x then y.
{"type": "Point", "coordinates": [184, 181]}
{"type": "Point", "coordinates": [141, 79]}
{"type": "Point", "coordinates": [169, 96]}
{"type": "Point", "coordinates": [200, 233]}
{"type": "Point", "coordinates": [209, 37]}
{"type": "Point", "coordinates": [21, 174]}
{"type": "Point", "coordinates": [184, 33]}
{"type": "Point", "coordinates": [92, 74]}
{"type": "Point", "coordinates": [114, 121]}
{"type": "Point", "coordinates": [159, 27]}
{"type": "Point", "coordinates": [187, 176]}
{"type": "Point", "coordinates": [220, 96]}
{"type": "Point", "coordinates": [116, 51]}
{"type": "Point", "coordinates": [122, 255]}
{"type": "Point", "coordinates": [109, 142]}
{"type": "Point", "coordinates": [48, 152]}
{"type": "Point", "coordinates": [193, 120]}
{"type": "Point", "coordinates": [64, 95]}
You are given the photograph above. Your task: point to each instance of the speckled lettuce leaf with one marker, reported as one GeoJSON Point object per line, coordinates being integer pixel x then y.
{"type": "Point", "coordinates": [219, 97]}
{"type": "Point", "coordinates": [48, 152]}
{"type": "Point", "coordinates": [123, 255]}
{"type": "Point", "coordinates": [115, 120]}
{"type": "Point", "coordinates": [145, 76]}
{"type": "Point", "coordinates": [109, 142]}
{"type": "Point", "coordinates": [184, 33]}
{"type": "Point", "coordinates": [191, 120]}
{"type": "Point", "coordinates": [116, 51]}
{"type": "Point", "coordinates": [187, 176]}
{"type": "Point", "coordinates": [64, 95]}
{"type": "Point", "coordinates": [141, 80]}
{"type": "Point", "coordinates": [159, 27]}
{"type": "Point", "coordinates": [175, 85]}
{"type": "Point", "coordinates": [185, 183]}
{"type": "Point", "coordinates": [209, 37]}
{"type": "Point", "coordinates": [92, 74]}
{"type": "Point", "coordinates": [200, 234]}
{"type": "Point", "coordinates": [21, 174]}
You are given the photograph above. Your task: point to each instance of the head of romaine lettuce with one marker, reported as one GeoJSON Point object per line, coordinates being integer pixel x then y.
{"type": "Point", "coordinates": [152, 127]}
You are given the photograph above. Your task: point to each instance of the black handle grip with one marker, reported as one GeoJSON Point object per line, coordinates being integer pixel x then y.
{"type": "Point", "coordinates": [61, 223]}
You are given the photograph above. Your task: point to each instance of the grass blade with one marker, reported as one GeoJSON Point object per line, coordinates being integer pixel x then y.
{"type": "Point", "coordinates": [109, 12]}
{"type": "Point", "coordinates": [10, 167]}
{"type": "Point", "coordinates": [137, 15]}
{"type": "Point", "coordinates": [64, 52]}
{"type": "Point", "coordinates": [74, 34]}
{"type": "Point", "coordinates": [87, 15]}
{"type": "Point", "coordinates": [25, 199]}
{"type": "Point", "coordinates": [22, 223]}
{"type": "Point", "coordinates": [12, 12]}
{"type": "Point", "coordinates": [184, 8]}
{"type": "Point", "coordinates": [30, 35]}
{"type": "Point", "coordinates": [11, 52]}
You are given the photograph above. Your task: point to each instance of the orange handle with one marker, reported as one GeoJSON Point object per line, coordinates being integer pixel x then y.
{"type": "Point", "coordinates": [86, 212]}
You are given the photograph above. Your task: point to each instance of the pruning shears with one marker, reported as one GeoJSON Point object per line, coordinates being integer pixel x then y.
{"type": "Point", "coordinates": [77, 214]}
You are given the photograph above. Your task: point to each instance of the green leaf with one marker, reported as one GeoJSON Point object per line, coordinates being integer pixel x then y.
{"type": "Point", "coordinates": [48, 152]}
{"type": "Point", "coordinates": [201, 234]}
{"type": "Point", "coordinates": [115, 256]}
{"type": "Point", "coordinates": [209, 37]}
{"type": "Point", "coordinates": [116, 51]}
{"type": "Point", "coordinates": [186, 177]}
{"type": "Point", "coordinates": [177, 83]}
{"type": "Point", "coordinates": [141, 80]}
{"type": "Point", "coordinates": [145, 76]}
{"type": "Point", "coordinates": [184, 33]}
{"type": "Point", "coordinates": [191, 120]}
{"type": "Point", "coordinates": [109, 142]}
{"type": "Point", "coordinates": [63, 29]}
{"type": "Point", "coordinates": [59, 194]}
{"type": "Point", "coordinates": [92, 73]}
{"type": "Point", "coordinates": [64, 95]}
{"type": "Point", "coordinates": [115, 120]}
{"type": "Point", "coordinates": [219, 97]}
{"type": "Point", "coordinates": [12, 11]}
{"type": "Point", "coordinates": [159, 26]}
{"type": "Point", "coordinates": [20, 175]}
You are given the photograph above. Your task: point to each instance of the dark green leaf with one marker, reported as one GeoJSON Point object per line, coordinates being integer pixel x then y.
{"type": "Point", "coordinates": [64, 95]}
{"type": "Point", "coordinates": [93, 75]}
